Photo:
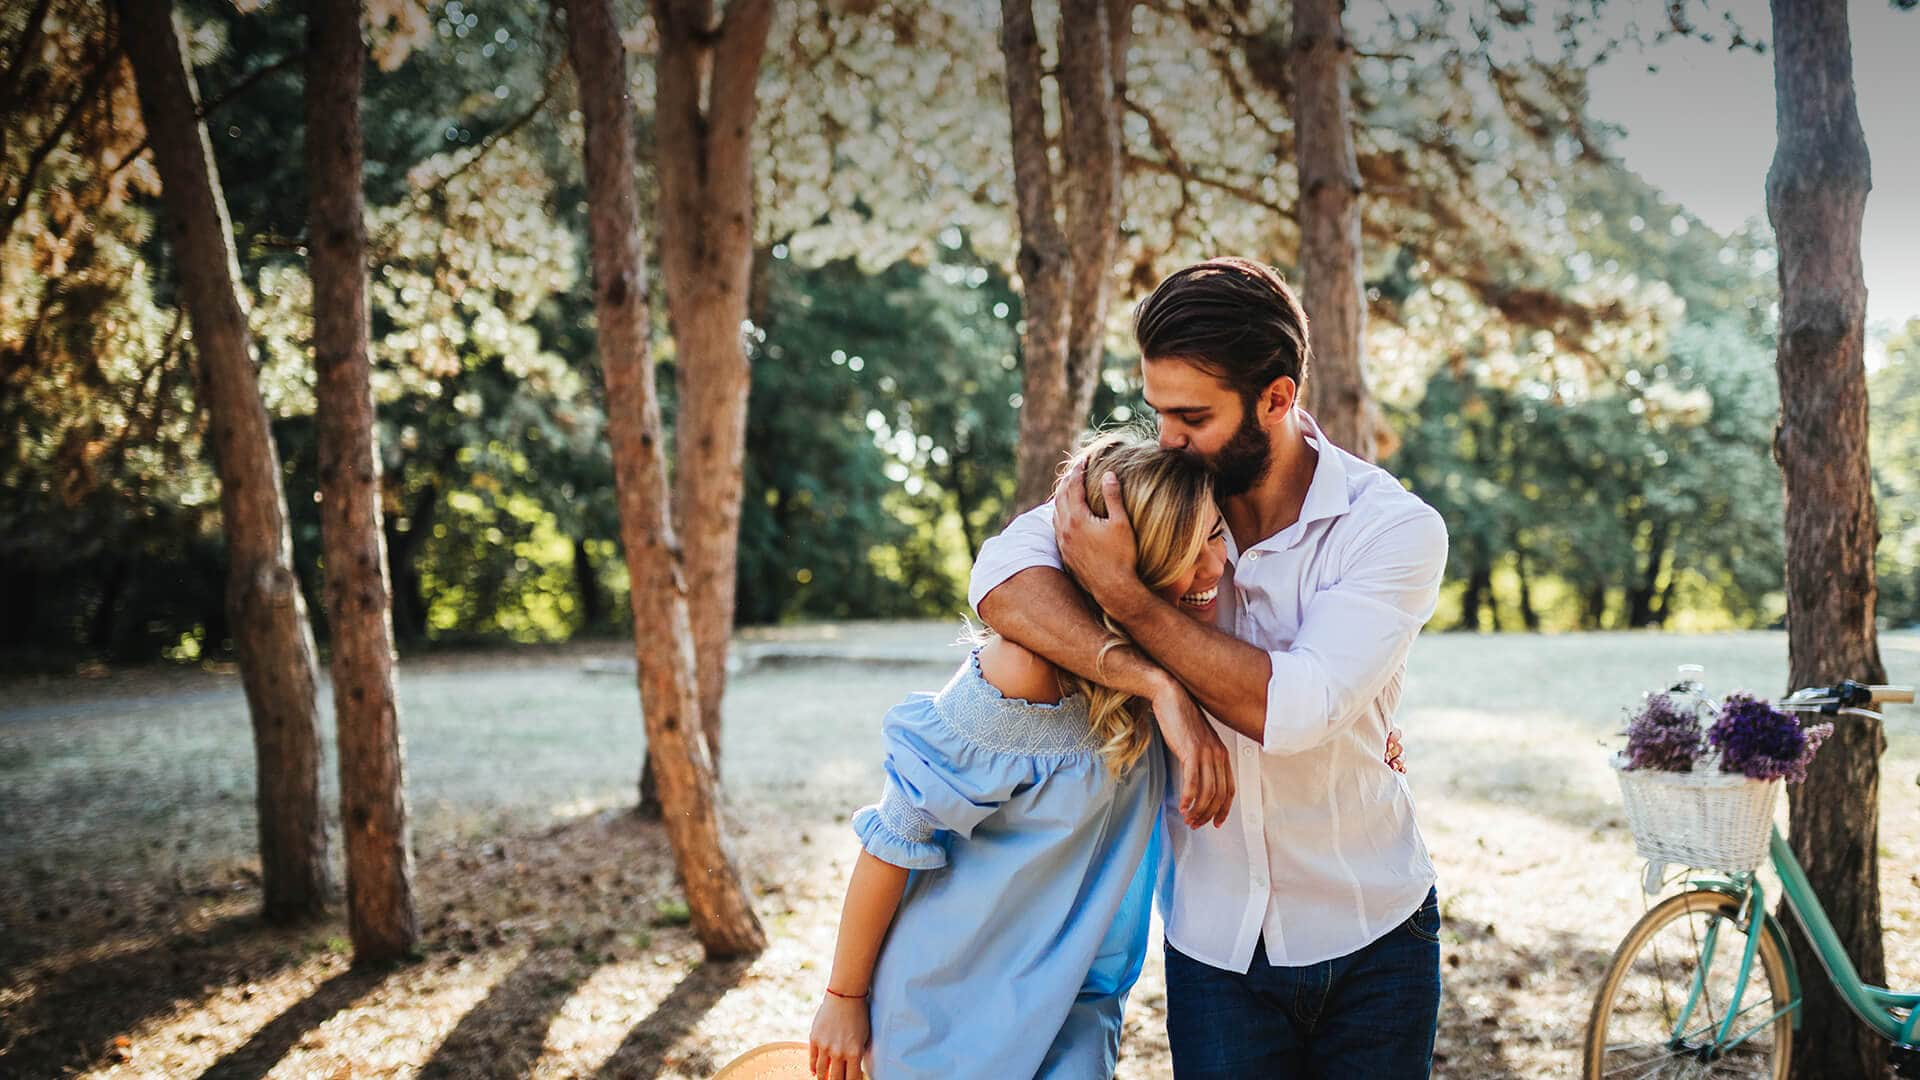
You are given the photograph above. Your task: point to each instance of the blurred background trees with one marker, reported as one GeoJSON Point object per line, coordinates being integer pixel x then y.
{"type": "Point", "coordinates": [1577, 369]}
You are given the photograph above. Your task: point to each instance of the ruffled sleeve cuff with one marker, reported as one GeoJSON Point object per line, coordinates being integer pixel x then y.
{"type": "Point", "coordinates": [897, 833]}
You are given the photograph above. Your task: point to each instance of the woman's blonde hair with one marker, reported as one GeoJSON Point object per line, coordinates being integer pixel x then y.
{"type": "Point", "coordinates": [1168, 496]}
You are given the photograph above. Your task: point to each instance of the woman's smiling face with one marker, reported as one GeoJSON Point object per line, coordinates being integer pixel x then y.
{"type": "Point", "coordinates": [1197, 592]}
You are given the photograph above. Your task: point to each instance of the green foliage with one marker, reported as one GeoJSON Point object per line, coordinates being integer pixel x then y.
{"type": "Point", "coordinates": [1893, 432]}
{"type": "Point", "coordinates": [1580, 370]}
{"type": "Point", "coordinates": [1646, 497]}
{"type": "Point", "coordinates": [880, 436]}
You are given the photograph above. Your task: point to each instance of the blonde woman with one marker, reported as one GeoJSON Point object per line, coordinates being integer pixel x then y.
{"type": "Point", "coordinates": [998, 913]}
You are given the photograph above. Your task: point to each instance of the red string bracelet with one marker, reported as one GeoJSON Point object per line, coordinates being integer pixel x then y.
{"type": "Point", "coordinates": [849, 997]}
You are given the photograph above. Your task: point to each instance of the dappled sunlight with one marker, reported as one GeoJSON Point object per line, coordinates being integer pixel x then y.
{"type": "Point", "coordinates": [556, 944]}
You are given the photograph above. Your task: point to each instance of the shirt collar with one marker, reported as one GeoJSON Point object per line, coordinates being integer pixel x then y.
{"type": "Point", "coordinates": [1326, 493]}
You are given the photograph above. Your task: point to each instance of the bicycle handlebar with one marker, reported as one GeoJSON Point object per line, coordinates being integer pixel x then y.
{"type": "Point", "coordinates": [1848, 696]}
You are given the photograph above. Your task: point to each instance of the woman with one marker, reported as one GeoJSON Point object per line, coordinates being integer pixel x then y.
{"type": "Point", "coordinates": [1010, 850]}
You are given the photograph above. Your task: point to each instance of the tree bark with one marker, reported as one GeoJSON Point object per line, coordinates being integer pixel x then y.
{"type": "Point", "coordinates": [704, 159]}
{"type": "Point", "coordinates": [1816, 196]}
{"type": "Point", "coordinates": [723, 916]}
{"type": "Point", "coordinates": [267, 612]}
{"type": "Point", "coordinates": [381, 915]}
{"type": "Point", "coordinates": [1092, 90]}
{"type": "Point", "coordinates": [1065, 274]}
{"type": "Point", "coordinates": [1329, 210]}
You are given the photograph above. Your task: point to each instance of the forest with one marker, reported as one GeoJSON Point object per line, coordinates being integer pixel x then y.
{"type": "Point", "coordinates": [1574, 368]}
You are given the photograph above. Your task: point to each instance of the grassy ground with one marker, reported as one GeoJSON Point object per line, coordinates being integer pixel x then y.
{"type": "Point", "coordinates": [555, 945]}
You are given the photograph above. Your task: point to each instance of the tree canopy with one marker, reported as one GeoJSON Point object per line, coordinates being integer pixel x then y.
{"type": "Point", "coordinates": [1578, 369]}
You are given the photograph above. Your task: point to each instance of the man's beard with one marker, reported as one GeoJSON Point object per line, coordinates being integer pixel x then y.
{"type": "Point", "coordinates": [1243, 461]}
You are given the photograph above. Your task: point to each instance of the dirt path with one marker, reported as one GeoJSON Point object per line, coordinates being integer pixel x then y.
{"type": "Point", "coordinates": [555, 944]}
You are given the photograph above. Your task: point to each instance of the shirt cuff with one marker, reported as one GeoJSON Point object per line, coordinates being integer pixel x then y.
{"type": "Point", "coordinates": [902, 844]}
{"type": "Point", "coordinates": [1298, 706]}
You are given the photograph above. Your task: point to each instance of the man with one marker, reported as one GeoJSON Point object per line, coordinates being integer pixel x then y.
{"type": "Point", "coordinates": [1302, 933]}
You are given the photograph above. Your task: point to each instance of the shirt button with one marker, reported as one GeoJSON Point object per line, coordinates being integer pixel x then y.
{"type": "Point", "coordinates": [1259, 883]}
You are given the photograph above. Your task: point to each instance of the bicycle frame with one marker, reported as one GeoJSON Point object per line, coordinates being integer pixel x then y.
{"type": "Point", "coordinates": [1876, 1007]}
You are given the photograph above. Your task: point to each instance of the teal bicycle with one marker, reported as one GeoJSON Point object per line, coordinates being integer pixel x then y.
{"type": "Point", "coordinates": [1704, 984]}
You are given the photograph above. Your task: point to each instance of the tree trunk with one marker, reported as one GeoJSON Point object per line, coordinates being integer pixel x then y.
{"type": "Point", "coordinates": [381, 917]}
{"type": "Point", "coordinates": [1092, 93]}
{"type": "Point", "coordinates": [1479, 595]}
{"type": "Point", "coordinates": [704, 158]}
{"type": "Point", "coordinates": [403, 552]}
{"type": "Point", "coordinates": [1663, 604]}
{"type": "Point", "coordinates": [1529, 617]}
{"type": "Point", "coordinates": [593, 606]}
{"type": "Point", "coordinates": [1816, 195]}
{"type": "Point", "coordinates": [1329, 211]}
{"type": "Point", "coordinates": [267, 611]}
{"type": "Point", "coordinates": [1593, 614]}
{"type": "Point", "coordinates": [1643, 597]}
{"type": "Point", "coordinates": [103, 636]}
{"type": "Point", "coordinates": [663, 635]}
{"type": "Point", "coordinates": [964, 500]}
{"type": "Point", "coordinates": [1065, 275]}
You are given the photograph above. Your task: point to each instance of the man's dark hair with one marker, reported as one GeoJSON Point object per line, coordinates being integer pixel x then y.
{"type": "Point", "coordinates": [1233, 318]}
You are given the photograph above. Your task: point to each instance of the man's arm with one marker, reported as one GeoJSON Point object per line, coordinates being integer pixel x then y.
{"type": "Point", "coordinates": [1356, 635]}
{"type": "Point", "coordinates": [1020, 592]}
{"type": "Point", "coordinates": [1041, 610]}
{"type": "Point", "coordinates": [1227, 675]}
{"type": "Point", "coordinates": [1351, 639]}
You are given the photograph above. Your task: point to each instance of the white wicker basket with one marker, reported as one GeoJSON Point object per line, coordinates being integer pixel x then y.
{"type": "Point", "coordinates": [1707, 819]}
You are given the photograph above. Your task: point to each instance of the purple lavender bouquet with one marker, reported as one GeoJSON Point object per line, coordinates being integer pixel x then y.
{"type": "Point", "coordinates": [1665, 735]}
{"type": "Point", "coordinates": [1761, 742]}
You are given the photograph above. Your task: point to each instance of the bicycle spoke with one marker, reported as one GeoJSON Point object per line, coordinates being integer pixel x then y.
{"type": "Point", "coordinates": [1647, 1066]}
{"type": "Point", "coordinates": [1672, 990]}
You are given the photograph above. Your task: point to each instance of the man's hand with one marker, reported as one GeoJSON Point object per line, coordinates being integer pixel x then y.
{"type": "Point", "coordinates": [1394, 750]}
{"type": "Point", "coordinates": [1206, 769]}
{"type": "Point", "coordinates": [1098, 551]}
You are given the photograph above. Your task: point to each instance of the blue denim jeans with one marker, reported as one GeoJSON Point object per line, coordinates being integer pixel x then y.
{"type": "Point", "coordinates": [1370, 1014]}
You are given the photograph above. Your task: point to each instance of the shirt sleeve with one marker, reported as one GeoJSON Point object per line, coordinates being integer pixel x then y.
{"type": "Point", "coordinates": [1356, 635]}
{"type": "Point", "coordinates": [1026, 542]}
{"type": "Point", "coordinates": [937, 786]}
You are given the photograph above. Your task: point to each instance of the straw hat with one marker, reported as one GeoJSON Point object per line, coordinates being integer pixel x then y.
{"type": "Point", "coordinates": [774, 1061]}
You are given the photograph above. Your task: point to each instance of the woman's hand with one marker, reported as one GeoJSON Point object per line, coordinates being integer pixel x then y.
{"type": "Point", "coordinates": [1394, 750]}
{"type": "Point", "coordinates": [838, 1041]}
{"type": "Point", "coordinates": [1206, 769]}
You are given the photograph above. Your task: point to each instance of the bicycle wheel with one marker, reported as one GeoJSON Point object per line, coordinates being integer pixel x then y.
{"type": "Point", "coordinates": [1670, 987]}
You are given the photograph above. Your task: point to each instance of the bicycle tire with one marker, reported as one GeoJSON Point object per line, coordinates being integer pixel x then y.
{"type": "Point", "coordinates": [1622, 1041]}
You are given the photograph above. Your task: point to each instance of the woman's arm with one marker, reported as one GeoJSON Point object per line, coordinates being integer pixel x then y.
{"type": "Point", "coordinates": [841, 1027]}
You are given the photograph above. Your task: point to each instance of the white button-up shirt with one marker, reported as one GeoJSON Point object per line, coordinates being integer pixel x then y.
{"type": "Point", "coordinates": [1320, 854]}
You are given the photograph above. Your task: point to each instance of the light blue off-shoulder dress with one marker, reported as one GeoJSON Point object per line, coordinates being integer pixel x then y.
{"type": "Point", "coordinates": [1024, 922]}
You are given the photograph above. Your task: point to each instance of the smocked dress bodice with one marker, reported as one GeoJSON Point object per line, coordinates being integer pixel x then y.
{"type": "Point", "coordinates": [1025, 920]}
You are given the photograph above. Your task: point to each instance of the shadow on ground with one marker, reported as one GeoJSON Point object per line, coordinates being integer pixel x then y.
{"type": "Point", "coordinates": [72, 1017]}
